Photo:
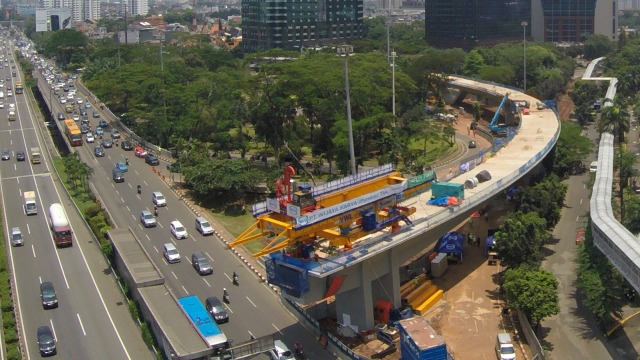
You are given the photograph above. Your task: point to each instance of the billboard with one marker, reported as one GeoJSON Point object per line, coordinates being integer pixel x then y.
{"type": "Point", "coordinates": [53, 19]}
{"type": "Point", "coordinates": [41, 20]}
{"type": "Point", "coordinates": [60, 18]}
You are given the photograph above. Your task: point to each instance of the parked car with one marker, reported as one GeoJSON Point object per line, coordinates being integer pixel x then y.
{"type": "Point", "coordinates": [98, 151]}
{"type": "Point", "coordinates": [126, 145]}
{"type": "Point", "coordinates": [16, 237]}
{"type": "Point", "coordinates": [147, 219]}
{"type": "Point", "coordinates": [178, 230]}
{"type": "Point", "coordinates": [201, 263]}
{"type": "Point", "coordinates": [121, 166]}
{"type": "Point", "coordinates": [151, 160]}
{"type": "Point", "coordinates": [48, 295]}
{"type": "Point", "coordinates": [20, 155]}
{"type": "Point", "coordinates": [46, 341]}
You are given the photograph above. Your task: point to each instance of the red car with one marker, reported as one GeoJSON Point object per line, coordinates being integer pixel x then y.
{"type": "Point", "coordinates": [579, 236]}
{"type": "Point", "coordinates": [140, 151]}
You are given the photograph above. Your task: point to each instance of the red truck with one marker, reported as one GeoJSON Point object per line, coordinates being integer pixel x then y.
{"type": "Point", "coordinates": [60, 226]}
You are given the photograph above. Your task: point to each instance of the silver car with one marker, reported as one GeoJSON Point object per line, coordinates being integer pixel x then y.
{"type": "Point", "coordinates": [6, 154]}
{"type": "Point", "coordinates": [147, 219]}
{"type": "Point", "coordinates": [16, 237]}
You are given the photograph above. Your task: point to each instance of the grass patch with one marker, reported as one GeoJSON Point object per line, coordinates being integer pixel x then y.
{"type": "Point", "coordinates": [236, 225]}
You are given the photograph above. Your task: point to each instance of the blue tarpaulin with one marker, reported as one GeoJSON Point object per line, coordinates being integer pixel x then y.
{"type": "Point", "coordinates": [491, 241]}
{"type": "Point", "coordinates": [452, 243]}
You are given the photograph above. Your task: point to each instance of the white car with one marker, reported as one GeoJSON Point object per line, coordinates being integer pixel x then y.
{"type": "Point", "coordinates": [281, 351]}
{"type": "Point", "coordinates": [63, 101]}
{"type": "Point", "coordinates": [79, 101]}
{"type": "Point", "coordinates": [90, 137]}
{"type": "Point", "coordinates": [178, 230]}
{"type": "Point", "coordinates": [9, 93]}
{"type": "Point", "coordinates": [1, 105]}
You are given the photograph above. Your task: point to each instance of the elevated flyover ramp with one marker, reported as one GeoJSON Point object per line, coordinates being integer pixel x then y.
{"type": "Point", "coordinates": [370, 270]}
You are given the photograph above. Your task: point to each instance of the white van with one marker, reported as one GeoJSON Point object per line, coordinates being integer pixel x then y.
{"type": "Point", "coordinates": [504, 347]}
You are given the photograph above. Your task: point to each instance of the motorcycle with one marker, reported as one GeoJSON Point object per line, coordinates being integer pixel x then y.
{"type": "Point", "coordinates": [299, 354]}
{"type": "Point", "coordinates": [235, 280]}
{"type": "Point", "coordinates": [139, 189]}
{"type": "Point", "coordinates": [225, 298]}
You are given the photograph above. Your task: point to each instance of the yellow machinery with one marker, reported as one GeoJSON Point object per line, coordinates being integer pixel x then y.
{"type": "Point", "coordinates": [345, 211]}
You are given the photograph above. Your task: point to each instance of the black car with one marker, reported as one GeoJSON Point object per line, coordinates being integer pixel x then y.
{"type": "Point", "coordinates": [107, 143]}
{"type": "Point", "coordinates": [60, 116]}
{"type": "Point", "coordinates": [20, 156]}
{"type": "Point", "coordinates": [48, 295]}
{"type": "Point", "coordinates": [217, 310]}
{"type": "Point", "coordinates": [472, 144]}
{"type": "Point", "coordinates": [46, 342]}
{"type": "Point", "coordinates": [151, 160]}
{"type": "Point", "coordinates": [126, 145]}
{"type": "Point", "coordinates": [98, 151]}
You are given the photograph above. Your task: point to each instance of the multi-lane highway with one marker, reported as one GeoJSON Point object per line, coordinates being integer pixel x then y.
{"type": "Point", "coordinates": [254, 309]}
{"type": "Point", "coordinates": [82, 325]}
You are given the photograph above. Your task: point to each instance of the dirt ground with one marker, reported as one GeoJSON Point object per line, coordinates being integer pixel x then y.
{"type": "Point", "coordinates": [471, 313]}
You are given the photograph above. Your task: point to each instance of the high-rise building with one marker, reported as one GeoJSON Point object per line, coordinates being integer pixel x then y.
{"type": "Point", "coordinates": [570, 20]}
{"type": "Point", "coordinates": [92, 9]}
{"type": "Point", "coordinates": [137, 7]}
{"type": "Point", "coordinates": [80, 9]}
{"type": "Point", "coordinates": [467, 23]}
{"type": "Point", "coordinates": [292, 24]}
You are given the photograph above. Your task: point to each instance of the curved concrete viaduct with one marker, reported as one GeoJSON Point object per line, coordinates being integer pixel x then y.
{"type": "Point", "coordinates": [372, 269]}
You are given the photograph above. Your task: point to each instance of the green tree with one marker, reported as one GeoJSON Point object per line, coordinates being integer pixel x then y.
{"type": "Point", "coordinates": [545, 198]}
{"type": "Point", "coordinates": [596, 46]}
{"type": "Point", "coordinates": [533, 291]}
{"type": "Point", "coordinates": [65, 45]}
{"type": "Point", "coordinates": [473, 63]}
{"type": "Point", "coordinates": [223, 181]}
{"type": "Point", "coordinates": [521, 238]}
{"type": "Point", "coordinates": [571, 150]}
{"type": "Point", "coordinates": [614, 119]}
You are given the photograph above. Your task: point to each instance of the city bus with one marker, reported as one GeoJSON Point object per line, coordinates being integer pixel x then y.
{"type": "Point", "coordinates": [73, 133]}
{"type": "Point", "coordinates": [19, 87]}
{"type": "Point", "coordinates": [202, 321]}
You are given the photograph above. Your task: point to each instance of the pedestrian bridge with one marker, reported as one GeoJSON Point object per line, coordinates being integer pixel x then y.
{"type": "Point", "coordinates": [370, 270]}
{"type": "Point", "coordinates": [617, 243]}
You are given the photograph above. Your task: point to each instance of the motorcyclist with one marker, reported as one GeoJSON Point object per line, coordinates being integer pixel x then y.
{"type": "Point", "coordinates": [235, 278]}
{"type": "Point", "coordinates": [126, 161]}
{"type": "Point", "coordinates": [139, 189]}
{"type": "Point", "coordinates": [225, 295]}
{"type": "Point", "coordinates": [155, 210]}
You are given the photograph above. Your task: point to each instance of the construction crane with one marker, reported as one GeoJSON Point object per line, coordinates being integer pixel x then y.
{"type": "Point", "coordinates": [336, 214]}
{"type": "Point", "coordinates": [494, 126]}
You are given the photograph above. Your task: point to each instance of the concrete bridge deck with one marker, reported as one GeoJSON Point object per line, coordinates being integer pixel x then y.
{"type": "Point", "coordinates": [536, 135]}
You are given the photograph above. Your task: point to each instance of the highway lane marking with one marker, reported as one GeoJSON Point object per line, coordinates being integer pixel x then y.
{"type": "Point", "coordinates": [206, 282]}
{"type": "Point", "coordinates": [53, 330]}
{"type": "Point", "coordinates": [174, 275]}
{"type": "Point", "coordinates": [173, 241]}
{"type": "Point", "coordinates": [225, 274]}
{"type": "Point", "coordinates": [128, 209]}
{"type": "Point", "coordinates": [33, 249]}
{"type": "Point", "coordinates": [121, 199]}
{"type": "Point", "coordinates": [156, 249]}
{"type": "Point", "coordinates": [252, 303]}
{"type": "Point", "coordinates": [81, 326]}
{"type": "Point", "coordinates": [192, 238]}
{"type": "Point", "coordinates": [148, 238]}
{"type": "Point", "coordinates": [25, 176]}
{"type": "Point", "coordinates": [24, 128]}
{"type": "Point", "coordinates": [28, 229]}
{"type": "Point", "coordinates": [185, 290]}
{"type": "Point", "coordinates": [581, 201]}
{"type": "Point", "coordinates": [40, 279]}
{"type": "Point", "coordinates": [189, 261]}
{"type": "Point", "coordinates": [160, 224]}
{"type": "Point", "coordinates": [275, 327]}
{"type": "Point", "coordinates": [578, 218]}
{"type": "Point", "coordinates": [209, 256]}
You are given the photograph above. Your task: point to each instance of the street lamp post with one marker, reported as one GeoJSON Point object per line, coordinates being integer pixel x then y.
{"type": "Point", "coordinates": [345, 51]}
{"type": "Point", "coordinates": [524, 45]}
{"type": "Point", "coordinates": [393, 82]}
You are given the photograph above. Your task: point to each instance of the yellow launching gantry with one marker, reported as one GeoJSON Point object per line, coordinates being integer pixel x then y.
{"type": "Point", "coordinates": [339, 212]}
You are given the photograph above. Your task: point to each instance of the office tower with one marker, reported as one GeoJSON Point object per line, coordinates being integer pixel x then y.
{"type": "Point", "coordinates": [291, 24]}
{"type": "Point", "coordinates": [570, 20]}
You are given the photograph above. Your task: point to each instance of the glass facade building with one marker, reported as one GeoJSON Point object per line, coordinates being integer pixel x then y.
{"type": "Point", "coordinates": [568, 20]}
{"type": "Point", "coordinates": [467, 23]}
{"type": "Point", "coordinates": [292, 24]}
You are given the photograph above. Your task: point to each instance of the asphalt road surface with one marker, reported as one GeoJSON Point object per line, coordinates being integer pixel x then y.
{"type": "Point", "coordinates": [254, 309]}
{"type": "Point", "coordinates": [82, 324]}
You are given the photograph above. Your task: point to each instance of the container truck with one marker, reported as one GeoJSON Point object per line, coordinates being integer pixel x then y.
{"type": "Point", "coordinates": [60, 226]}
{"type": "Point", "coordinates": [30, 205]}
{"type": "Point", "coordinates": [35, 155]}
